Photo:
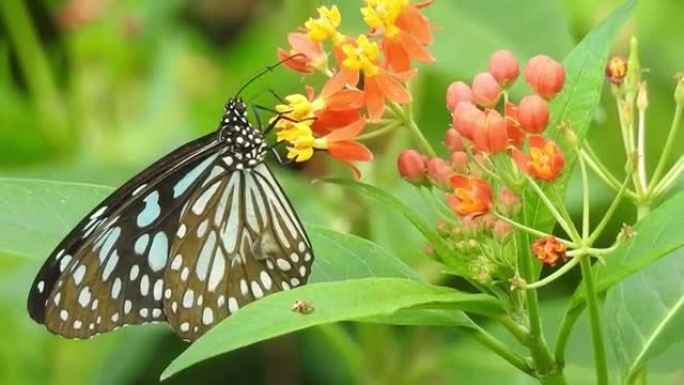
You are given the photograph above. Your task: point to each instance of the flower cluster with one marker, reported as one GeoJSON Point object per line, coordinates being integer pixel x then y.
{"type": "Point", "coordinates": [364, 74]}
{"type": "Point", "coordinates": [493, 143]}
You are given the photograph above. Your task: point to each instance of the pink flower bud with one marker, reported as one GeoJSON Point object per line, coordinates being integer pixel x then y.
{"type": "Point", "coordinates": [516, 135]}
{"type": "Point", "coordinates": [502, 230]}
{"type": "Point", "coordinates": [486, 90]}
{"type": "Point", "coordinates": [509, 201]}
{"type": "Point", "coordinates": [491, 134]}
{"type": "Point", "coordinates": [545, 75]}
{"type": "Point", "coordinates": [503, 65]}
{"type": "Point", "coordinates": [459, 161]}
{"type": "Point", "coordinates": [465, 117]}
{"type": "Point", "coordinates": [533, 114]}
{"type": "Point", "coordinates": [439, 172]}
{"type": "Point", "coordinates": [453, 141]}
{"type": "Point", "coordinates": [458, 92]}
{"type": "Point", "coordinates": [411, 166]}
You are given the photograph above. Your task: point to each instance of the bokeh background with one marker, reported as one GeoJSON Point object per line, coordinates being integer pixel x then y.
{"type": "Point", "coordinates": [93, 90]}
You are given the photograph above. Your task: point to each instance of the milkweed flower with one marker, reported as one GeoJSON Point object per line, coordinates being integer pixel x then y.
{"type": "Point", "coordinates": [545, 160]}
{"type": "Point", "coordinates": [325, 26]}
{"type": "Point", "coordinates": [411, 166]}
{"type": "Point", "coordinates": [362, 56]}
{"type": "Point", "coordinates": [516, 135]}
{"type": "Point", "coordinates": [405, 31]}
{"type": "Point", "coordinates": [305, 55]}
{"type": "Point", "coordinates": [545, 75]}
{"type": "Point", "coordinates": [472, 196]}
{"type": "Point", "coordinates": [490, 133]}
{"type": "Point", "coordinates": [503, 65]}
{"type": "Point", "coordinates": [548, 250]}
{"type": "Point", "coordinates": [458, 92]}
{"type": "Point", "coordinates": [486, 90]}
{"type": "Point", "coordinates": [533, 114]}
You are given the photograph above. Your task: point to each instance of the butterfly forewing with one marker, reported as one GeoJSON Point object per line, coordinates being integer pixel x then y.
{"type": "Point", "coordinates": [191, 239]}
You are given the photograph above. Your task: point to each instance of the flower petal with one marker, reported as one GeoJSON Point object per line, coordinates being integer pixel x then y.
{"type": "Point", "coordinates": [347, 132]}
{"type": "Point", "coordinates": [297, 64]}
{"type": "Point", "coordinates": [327, 121]}
{"type": "Point", "coordinates": [339, 81]}
{"type": "Point", "coordinates": [350, 151]}
{"type": "Point", "coordinates": [397, 58]}
{"type": "Point", "coordinates": [375, 100]}
{"type": "Point", "coordinates": [393, 88]}
{"type": "Point", "coordinates": [348, 99]}
{"type": "Point", "coordinates": [413, 48]}
{"type": "Point", "coordinates": [412, 21]}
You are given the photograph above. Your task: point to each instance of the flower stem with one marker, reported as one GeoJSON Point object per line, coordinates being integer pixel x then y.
{"type": "Point", "coordinates": [569, 228]}
{"type": "Point", "coordinates": [674, 128]}
{"type": "Point", "coordinates": [641, 150]}
{"type": "Point", "coordinates": [568, 321]}
{"type": "Point", "coordinates": [501, 349]}
{"type": "Point", "coordinates": [601, 366]}
{"type": "Point", "coordinates": [553, 276]}
{"type": "Point", "coordinates": [533, 231]}
{"type": "Point", "coordinates": [585, 199]}
{"type": "Point", "coordinates": [406, 115]}
{"type": "Point", "coordinates": [380, 131]}
{"type": "Point", "coordinates": [430, 199]}
{"type": "Point", "coordinates": [609, 213]}
{"type": "Point", "coordinates": [669, 178]}
{"type": "Point", "coordinates": [602, 171]}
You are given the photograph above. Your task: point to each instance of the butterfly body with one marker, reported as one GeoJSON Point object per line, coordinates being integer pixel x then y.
{"type": "Point", "coordinates": [190, 240]}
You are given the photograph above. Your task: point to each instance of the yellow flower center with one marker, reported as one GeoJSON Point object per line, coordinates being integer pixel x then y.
{"type": "Point", "coordinates": [362, 56]}
{"type": "Point", "coordinates": [541, 158]}
{"type": "Point", "coordinates": [325, 25]}
{"type": "Point", "coordinates": [382, 14]}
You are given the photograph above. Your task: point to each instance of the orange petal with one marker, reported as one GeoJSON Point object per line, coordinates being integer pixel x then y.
{"type": "Point", "coordinates": [301, 43]}
{"type": "Point", "coordinates": [339, 81]}
{"type": "Point", "coordinates": [350, 151]}
{"type": "Point", "coordinates": [414, 48]}
{"type": "Point", "coordinates": [412, 21]}
{"type": "Point", "coordinates": [521, 159]}
{"type": "Point", "coordinates": [459, 181]}
{"type": "Point", "coordinates": [346, 133]}
{"type": "Point", "coordinates": [397, 58]}
{"type": "Point", "coordinates": [375, 100]}
{"type": "Point", "coordinates": [349, 99]}
{"type": "Point", "coordinates": [297, 64]}
{"type": "Point", "coordinates": [393, 88]}
{"type": "Point", "coordinates": [328, 120]}
{"type": "Point", "coordinates": [537, 141]}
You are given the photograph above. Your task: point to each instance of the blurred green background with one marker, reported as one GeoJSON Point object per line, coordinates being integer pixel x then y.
{"type": "Point", "coordinates": [93, 90]}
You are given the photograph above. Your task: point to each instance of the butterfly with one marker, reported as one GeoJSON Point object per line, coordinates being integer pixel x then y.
{"type": "Point", "coordinates": [199, 234]}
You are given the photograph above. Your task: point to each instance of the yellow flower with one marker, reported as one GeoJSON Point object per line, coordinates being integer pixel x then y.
{"type": "Point", "coordinates": [362, 56]}
{"type": "Point", "coordinates": [325, 25]}
{"type": "Point", "coordinates": [382, 14]}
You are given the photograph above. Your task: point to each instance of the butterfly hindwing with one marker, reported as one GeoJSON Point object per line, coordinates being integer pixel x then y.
{"type": "Point", "coordinates": [109, 268]}
{"type": "Point", "coordinates": [239, 241]}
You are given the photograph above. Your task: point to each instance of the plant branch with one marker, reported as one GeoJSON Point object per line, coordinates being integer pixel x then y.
{"type": "Point", "coordinates": [501, 349]}
{"type": "Point", "coordinates": [662, 161]}
{"type": "Point", "coordinates": [601, 366]}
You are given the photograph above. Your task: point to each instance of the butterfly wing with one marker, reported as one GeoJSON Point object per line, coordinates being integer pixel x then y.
{"type": "Point", "coordinates": [109, 270]}
{"type": "Point", "coordinates": [239, 240]}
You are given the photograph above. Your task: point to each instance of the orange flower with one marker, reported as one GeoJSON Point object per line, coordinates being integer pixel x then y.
{"type": "Point", "coordinates": [472, 196]}
{"type": "Point", "coordinates": [310, 55]}
{"type": "Point", "coordinates": [341, 145]}
{"type": "Point", "coordinates": [405, 30]}
{"type": "Point", "coordinates": [545, 161]}
{"type": "Point", "coordinates": [548, 250]}
{"type": "Point", "coordinates": [362, 56]}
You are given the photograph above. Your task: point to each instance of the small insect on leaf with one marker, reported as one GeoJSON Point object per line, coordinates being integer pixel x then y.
{"type": "Point", "coordinates": [303, 307]}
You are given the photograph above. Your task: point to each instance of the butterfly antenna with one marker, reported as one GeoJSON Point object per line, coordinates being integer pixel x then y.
{"type": "Point", "coordinates": [265, 71]}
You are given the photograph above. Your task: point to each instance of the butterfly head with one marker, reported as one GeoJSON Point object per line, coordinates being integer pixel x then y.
{"type": "Point", "coordinates": [246, 142]}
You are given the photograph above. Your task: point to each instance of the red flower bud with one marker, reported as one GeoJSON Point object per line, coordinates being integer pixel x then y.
{"type": "Point", "coordinates": [533, 114]}
{"type": "Point", "coordinates": [545, 75]}
{"type": "Point", "coordinates": [411, 166]}
{"type": "Point", "coordinates": [548, 250]}
{"type": "Point", "coordinates": [459, 160]}
{"type": "Point", "coordinates": [458, 92]}
{"type": "Point", "coordinates": [472, 196]}
{"type": "Point", "coordinates": [465, 117]}
{"type": "Point", "coordinates": [486, 90]}
{"type": "Point", "coordinates": [509, 201]}
{"type": "Point", "coordinates": [516, 135]}
{"type": "Point", "coordinates": [439, 172]}
{"type": "Point", "coordinates": [453, 141]}
{"type": "Point", "coordinates": [491, 134]}
{"type": "Point", "coordinates": [616, 70]}
{"type": "Point", "coordinates": [502, 230]}
{"type": "Point", "coordinates": [503, 65]}
{"type": "Point", "coordinates": [545, 160]}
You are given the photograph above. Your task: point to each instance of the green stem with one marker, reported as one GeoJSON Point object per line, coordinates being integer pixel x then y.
{"type": "Point", "coordinates": [638, 378]}
{"type": "Point", "coordinates": [380, 131]}
{"type": "Point", "coordinates": [641, 150]}
{"type": "Point", "coordinates": [553, 276]}
{"type": "Point", "coordinates": [515, 329]}
{"type": "Point", "coordinates": [674, 128]}
{"type": "Point", "coordinates": [501, 349]}
{"type": "Point", "coordinates": [601, 366]}
{"type": "Point", "coordinates": [533, 231]}
{"type": "Point", "coordinates": [406, 115]}
{"type": "Point", "coordinates": [668, 179]}
{"type": "Point", "coordinates": [568, 227]}
{"type": "Point", "coordinates": [585, 199]}
{"type": "Point", "coordinates": [568, 321]}
{"type": "Point", "coordinates": [609, 213]}
{"type": "Point", "coordinates": [602, 171]}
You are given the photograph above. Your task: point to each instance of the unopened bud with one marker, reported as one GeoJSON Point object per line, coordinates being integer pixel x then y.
{"type": "Point", "coordinates": [533, 114]}
{"type": "Point", "coordinates": [633, 77]}
{"type": "Point", "coordinates": [642, 97]}
{"type": "Point", "coordinates": [453, 141]}
{"type": "Point", "coordinates": [459, 161]}
{"type": "Point", "coordinates": [502, 231]}
{"type": "Point", "coordinates": [545, 75]}
{"type": "Point", "coordinates": [616, 69]}
{"type": "Point", "coordinates": [458, 92]}
{"type": "Point", "coordinates": [411, 166]}
{"type": "Point", "coordinates": [464, 118]}
{"type": "Point", "coordinates": [486, 89]}
{"type": "Point", "coordinates": [510, 202]}
{"type": "Point", "coordinates": [503, 65]}
{"type": "Point", "coordinates": [439, 172]}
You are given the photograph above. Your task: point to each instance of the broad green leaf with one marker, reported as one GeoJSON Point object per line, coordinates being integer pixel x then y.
{"type": "Point", "coordinates": [657, 235]}
{"type": "Point", "coordinates": [333, 302]}
{"type": "Point", "coordinates": [424, 316]}
{"type": "Point", "coordinates": [383, 197]}
{"type": "Point", "coordinates": [576, 103]}
{"type": "Point", "coordinates": [39, 213]}
{"type": "Point", "coordinates": [646, 312]}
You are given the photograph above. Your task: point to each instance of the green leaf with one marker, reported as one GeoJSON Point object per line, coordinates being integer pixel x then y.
{"type": "Point", "coordinates": [576, 103]}
{"type": "Point", "coordinates": [657, 235]}
{"type": "Point", "coordinates": [385, 198]}
{"type": "Point", "coordinates": [39, 213]}
{"type": "Point", "coordinates": [333, 302]}
{"type": "Point", "coordinates": [646, 312]}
